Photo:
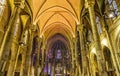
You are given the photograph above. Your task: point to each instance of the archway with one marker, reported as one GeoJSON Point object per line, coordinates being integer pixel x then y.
{"type": "Point", "coordinates": [57, 58]}
{"type": "Point", "coordinates": [108, 60]}
{"type": "Point", "coordinates": [94, 63]}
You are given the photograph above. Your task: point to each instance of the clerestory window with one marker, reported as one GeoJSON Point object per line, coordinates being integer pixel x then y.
{"type": "Point", "coordinates": [113, 9]}
{"type": "Point", "coordinates": [2, 5]}
{"type": "Point", "coordinates": [99, 27]}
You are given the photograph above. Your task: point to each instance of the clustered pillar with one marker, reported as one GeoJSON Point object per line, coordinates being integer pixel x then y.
{"type": "Point", "coordinates": [83, 51]}
{"type": "Point", "coordinates": [8, 37]}
{"type": "Point", "coordinates": [10, 40]}
{"type": "Point", "coordinates": [73, 59]}
{"type": "Point", "coordinates": [1, 33]}
{"type": "Point", "coordinates": [23, 49]}
{"type": "Point", "coordinates": [76, 57]}
{"type": "Point", "coordinates": [37, 66]}
{"type": "Point", "coordinates": [101, 62]}
{"type": "Point", "coordinates": [28, 54]}
{"type": "Point", "coordinates": [26, 49]}
{"type": "Point", "coordinates": [12, 44]}
{"type": "Point", "coordinates": [14, 48]}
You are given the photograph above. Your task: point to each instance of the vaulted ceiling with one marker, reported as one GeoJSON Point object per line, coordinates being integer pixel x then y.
{"type": "Point", "coordinates": [56, 16]}
{"type": "Point", "coordinates": [56, 19]}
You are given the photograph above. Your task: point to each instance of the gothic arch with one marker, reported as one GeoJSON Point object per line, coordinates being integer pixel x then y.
{"type": "Point", "coordinates": [108, 61]}
{"type": "Point", "coordinates": [93, 58]}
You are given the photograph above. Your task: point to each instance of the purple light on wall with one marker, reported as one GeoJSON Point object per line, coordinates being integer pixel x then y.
{"type": "Point", "coordinates": [45, 69]}
{"type": "Point", "coordinates": [49, 68]}
{"type": "Point", "coordinates": [50, 73]}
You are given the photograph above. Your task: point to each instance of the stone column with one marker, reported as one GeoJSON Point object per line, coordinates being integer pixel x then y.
{"type": "Point", "coordinates": [2, 23]}
{"type": "Point", "coordinates": [76, 57]}
{"type": "Point", "coordinates": [37, 66]}
{"type": "Point", "coordinates": [43, 56]}
{"type": "Point", "coordinates": [101, 62]}
{"type": "Point", "coordinates": [83, 51]}
{"type": "Point", "coordinates": [23, 49]}
{"type": "Point", "coordinates": [73, 65]}
{"type": "Point", "coordinates": [15, 34]}
{"type": "Point", "coordinates": [1, 33]}
{"type": "Point", "coordinates": [27, 64]}
{"type": "Point", "coordinates": [79, 70]}
{"type": "Point", "coordinates": [23, 69]}
{"type": "Point", "coordinates": [14, 48]}
{"type": "Point", "coordinates": [8, 37]}
{"type": "Point", "coordinates": [90, 71]}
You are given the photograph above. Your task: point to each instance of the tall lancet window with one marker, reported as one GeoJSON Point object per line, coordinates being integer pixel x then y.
{"type": "Point", "coordinates": [89, 37]}
{"type": "Point", "coordinates": [98, 25]}
{"type": "Point", "coordinates": [2, 6]}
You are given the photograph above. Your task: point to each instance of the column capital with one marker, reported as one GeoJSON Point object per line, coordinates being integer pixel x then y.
{"type": "Point", "coordinates": [89, 3]}
{"type": "Point", "coordinates": [20, 3]}
{"type": "Point", "coordinates": [75, 40]}
{"type": "Point", "coordinates": [71, 48]}
{"type": "Point", "coordinates": [33, 27]}
{"type": "Point", "coordinates": [80, 27]}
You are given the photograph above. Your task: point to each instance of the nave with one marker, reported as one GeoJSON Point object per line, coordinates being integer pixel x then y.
{"type": "Point", "coordinates": [59, 37]}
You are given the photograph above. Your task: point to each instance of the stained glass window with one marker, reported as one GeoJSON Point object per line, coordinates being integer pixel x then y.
{"type": "Point", "coordinates": [2, 1]}
{"type": "Point", "coordinates": [113, 7]}
{"type": "Point", "coordinates": [0, 9]}
{"type": "Point", "coordinates": [2, 4]}
{"type": "Point", "coordinates": [98, 25]}
{"type": "Point", "coordinates": [59, 56]}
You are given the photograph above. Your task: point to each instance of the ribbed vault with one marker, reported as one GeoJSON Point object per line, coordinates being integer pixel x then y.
{"type": "Point", "coordinates": [56, 16]}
